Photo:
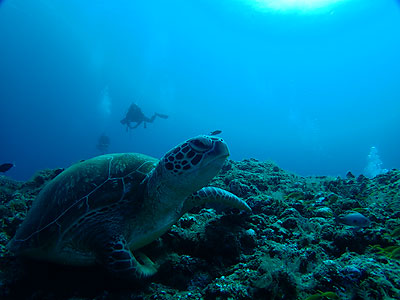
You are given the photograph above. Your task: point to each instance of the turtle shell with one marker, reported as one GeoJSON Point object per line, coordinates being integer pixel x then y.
{"type": "Point", "coordinates": [84, 188]}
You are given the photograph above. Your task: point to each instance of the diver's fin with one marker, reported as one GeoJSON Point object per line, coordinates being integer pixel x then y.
{"type": "Point", "coordinates": [162, 116]}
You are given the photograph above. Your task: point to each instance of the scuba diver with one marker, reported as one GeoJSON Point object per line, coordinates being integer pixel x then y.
{"type": "Point", "coordinates": [136, 115]}
{"type": "Point", "coordinates": [103, 143]}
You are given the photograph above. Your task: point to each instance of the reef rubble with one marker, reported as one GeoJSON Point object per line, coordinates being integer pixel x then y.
{"type": "Point", "coordinates": [292, 245]}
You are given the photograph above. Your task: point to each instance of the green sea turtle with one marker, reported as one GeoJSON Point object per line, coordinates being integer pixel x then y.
{"type": "Point", "coordinates": [102, 210]}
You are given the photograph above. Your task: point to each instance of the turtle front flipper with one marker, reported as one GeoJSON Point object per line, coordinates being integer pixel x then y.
{"type": "Point", "coordinates": [120, 261]}
{"type": "Point", "coordinates": [211, 194]}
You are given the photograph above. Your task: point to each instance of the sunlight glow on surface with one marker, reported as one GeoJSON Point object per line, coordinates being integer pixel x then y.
{"type": "Point", "coordinates": [295, 5]}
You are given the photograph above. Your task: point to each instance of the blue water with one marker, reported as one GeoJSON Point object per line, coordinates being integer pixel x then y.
{"type": "Point", "coordinates": [310, 91]}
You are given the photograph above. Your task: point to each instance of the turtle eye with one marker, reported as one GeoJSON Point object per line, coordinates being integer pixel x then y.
{"type": "Point", "coordinates": [200, 144]}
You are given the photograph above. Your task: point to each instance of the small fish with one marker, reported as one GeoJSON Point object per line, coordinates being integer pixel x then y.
{"type": "Point", "coordinates": [215, 132]}
{"type": "Point", "coordinates": [354, 219]}
{"type": "Point", "coordinates": [5, 167]}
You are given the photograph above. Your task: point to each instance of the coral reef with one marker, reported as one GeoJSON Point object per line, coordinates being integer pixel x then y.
{"type": "Point", "coordinates": [290, 247]}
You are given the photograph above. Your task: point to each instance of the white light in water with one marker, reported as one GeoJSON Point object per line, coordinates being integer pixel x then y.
{"type": "Point", "coordinates": [295, 5]}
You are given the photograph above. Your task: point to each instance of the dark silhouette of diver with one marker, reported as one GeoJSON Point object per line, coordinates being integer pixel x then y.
{"type": "Point", "coordinates": [103, 143]}
{"type": "Point", "coordinates": [136, 115]}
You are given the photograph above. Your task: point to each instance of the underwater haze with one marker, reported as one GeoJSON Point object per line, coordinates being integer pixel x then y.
{"type": "Point", "coordinates": [310, 88]}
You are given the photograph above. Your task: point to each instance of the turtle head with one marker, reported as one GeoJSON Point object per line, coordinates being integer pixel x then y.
{"type": "Point", "coordinates": [193, 163]}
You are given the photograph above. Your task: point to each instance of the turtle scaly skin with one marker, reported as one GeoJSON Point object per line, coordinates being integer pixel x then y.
{"type": "Point", "coordinates": [104, 209]}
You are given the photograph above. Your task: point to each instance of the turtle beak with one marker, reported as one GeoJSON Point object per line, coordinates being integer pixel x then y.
{"type": "Point", "coordinates": [221, 149]}
{"type": "Point", "coordinates": [220, 152]}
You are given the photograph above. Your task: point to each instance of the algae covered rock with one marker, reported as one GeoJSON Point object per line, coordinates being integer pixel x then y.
{"type": "Point", "coordinates": [290, 247]}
